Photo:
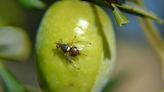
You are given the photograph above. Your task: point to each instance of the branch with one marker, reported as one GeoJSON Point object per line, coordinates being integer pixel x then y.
{"type": "Point", "coordinates": [153, 36]}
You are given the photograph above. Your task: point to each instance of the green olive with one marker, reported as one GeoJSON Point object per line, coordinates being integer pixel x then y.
{"type": "Point", "coordinates": [75, 23]}
{"type": "Point", "coordinates": [14, 44]}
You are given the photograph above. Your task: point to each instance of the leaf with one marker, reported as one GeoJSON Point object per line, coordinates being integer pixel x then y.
{"type": "Point", "coordinates": [14, 44]}
{"type": "Point", "coordinates": [33, 4]}
{"type": "Point", "coordinates": [120, 18]}
{"type": "Point", "coordinates": [133, 8]}
{"type": "Point", "coordinates": [9, 81]}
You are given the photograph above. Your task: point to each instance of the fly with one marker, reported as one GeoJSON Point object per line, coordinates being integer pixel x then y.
{"type": "Point", "coordinates": [70, 50]}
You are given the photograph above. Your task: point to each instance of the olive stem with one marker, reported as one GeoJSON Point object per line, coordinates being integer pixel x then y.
{"type": "Point", "coordinates": [153, 36]}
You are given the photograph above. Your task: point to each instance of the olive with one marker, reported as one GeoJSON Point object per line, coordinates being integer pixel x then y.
{"type": "Point", "coordinates": [88, 22]}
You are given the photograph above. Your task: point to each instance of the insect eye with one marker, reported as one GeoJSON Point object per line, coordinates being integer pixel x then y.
{"type": "Point", "coordinates": [57, 45]}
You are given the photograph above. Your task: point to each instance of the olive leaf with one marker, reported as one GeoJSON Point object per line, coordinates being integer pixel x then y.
{"type": "Point", "coordinates": [133, 8]}
{"type": "Point", "coordinates": [10, 84]}
{"type": "Point", "coordinates": [120, 18]}
{"type": "Point", "coordinates": [14, 44]}
{"type": "Point", "coordinates": [33, 4]}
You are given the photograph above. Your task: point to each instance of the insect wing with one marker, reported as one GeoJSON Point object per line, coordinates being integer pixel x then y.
{"type": "Point", "coordinates": [81, 45]}
{"type": "Point", "coordinates": [72, 61]}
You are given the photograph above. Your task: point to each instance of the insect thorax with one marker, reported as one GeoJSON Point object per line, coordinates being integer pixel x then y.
{"type": "Point", "coordinates": [65, 47]}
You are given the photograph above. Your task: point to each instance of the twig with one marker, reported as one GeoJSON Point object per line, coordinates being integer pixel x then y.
{"type": "Point", "coordinates": [153, 36]}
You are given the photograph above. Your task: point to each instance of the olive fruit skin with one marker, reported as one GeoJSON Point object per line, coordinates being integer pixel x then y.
{"type": "Point", "coordinates": [87, 22]}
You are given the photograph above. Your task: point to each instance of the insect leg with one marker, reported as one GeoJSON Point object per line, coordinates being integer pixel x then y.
{"type": "Point", "coordinates": [72, 40]}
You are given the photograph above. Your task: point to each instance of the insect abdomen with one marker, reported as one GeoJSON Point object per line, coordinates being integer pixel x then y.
{"type": "Point", "coordinates": [74, 51]}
